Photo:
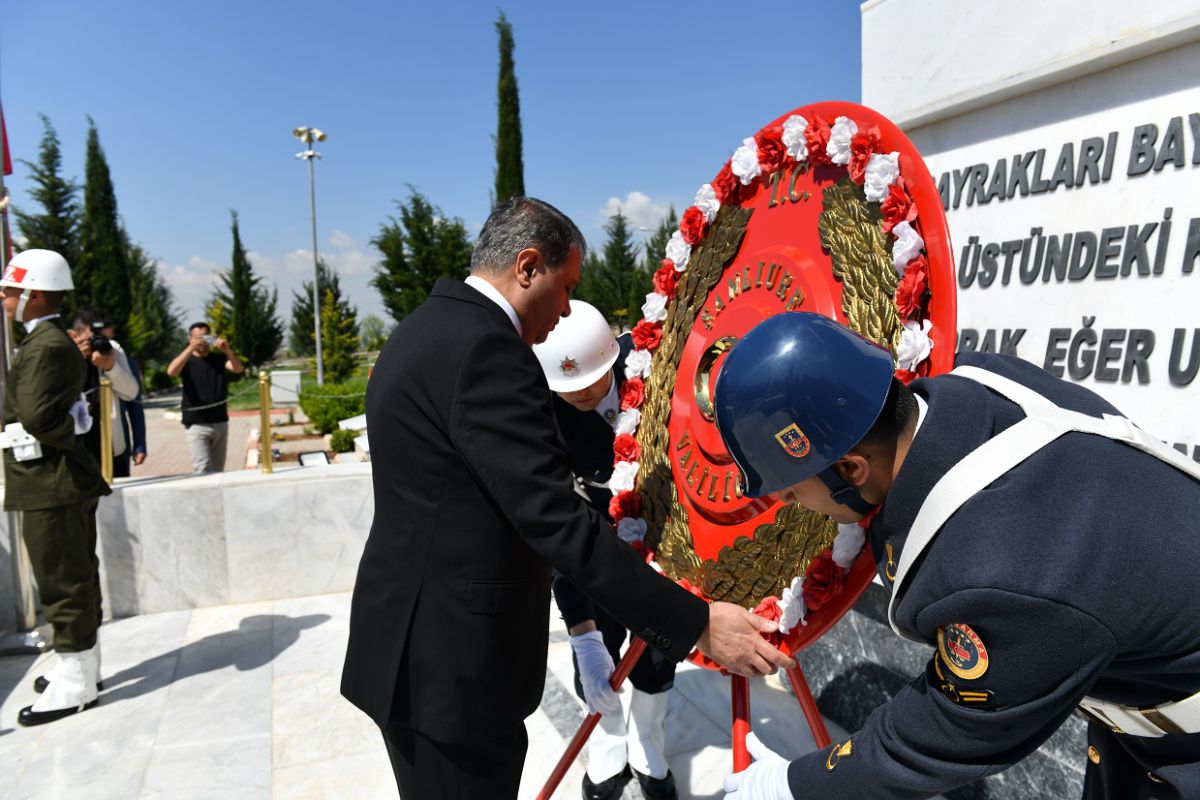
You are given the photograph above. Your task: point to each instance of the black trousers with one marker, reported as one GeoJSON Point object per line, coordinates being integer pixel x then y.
{"type": "Point", "coordinates": [430, 770]}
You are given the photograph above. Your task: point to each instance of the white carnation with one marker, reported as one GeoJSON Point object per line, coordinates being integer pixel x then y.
{"type": "Point", "coordinates": [791, 606]}
{"type": "Point", "coordinates": [915, 345]}
{"type": "Point", "coordinates": [655, 307]}
{"type": "Point", "coordinates": [679, 251]}
{"type": "Point", "coordinates": [840, 134]}
{"type": "Point", "coordinates": [907, 246]}
{"type": "Point", "coordinates": [628, 421]}
{"type": "Point", "coordinates": [637, 364]}
{"type": "Point", "coordinates": [706, 200]}
{"type": "Point", "coordinates": [882, 171]}
{"type": "Point", "coordinates": [631, 530]}
{"type": "Point", "coordinates": [744, 163]}
{"type": "Point", "coordinates": [793, 137]}
{"type": "Point", "coordinates": [623, 477]}
{"type": "Point", "coordinates": [848, 544]}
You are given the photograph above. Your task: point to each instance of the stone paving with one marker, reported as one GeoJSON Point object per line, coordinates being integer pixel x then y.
{"type": "Point", "coordinates": [241, 701]}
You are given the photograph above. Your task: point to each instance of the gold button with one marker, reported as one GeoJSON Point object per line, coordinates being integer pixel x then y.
{"type": "Point", "coordinates": [1093, 754]}
{"type": "Point", "coordinates": [1154, 777]}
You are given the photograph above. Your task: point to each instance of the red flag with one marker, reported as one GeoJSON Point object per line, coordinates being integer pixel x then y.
{"type": "Point", "coordinates": [4, 144]}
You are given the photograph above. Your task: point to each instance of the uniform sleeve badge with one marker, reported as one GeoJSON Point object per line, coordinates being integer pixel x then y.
{"type": "Point", "coordinates": [962, 651]}
{"type": "Point", "coordinates": [793, 440]}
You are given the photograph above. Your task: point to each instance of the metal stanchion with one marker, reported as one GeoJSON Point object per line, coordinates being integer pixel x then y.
{"type": "Point", "coordinates": [106, 445]}
{"type": "Point", "coordinates": [264, 414]}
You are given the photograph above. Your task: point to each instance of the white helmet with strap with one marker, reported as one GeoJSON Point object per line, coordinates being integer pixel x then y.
{"type": "Point", "coordinates": [579, 350]}
{"type": "Point", "coordinates": [41, 270]}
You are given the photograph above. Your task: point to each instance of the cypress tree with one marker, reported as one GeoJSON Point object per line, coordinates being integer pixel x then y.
{"type": "Point", "coordinates": [339, 338]}
{"type": "Point", "coordinates": [152, 333]}
{"type": "Point", "coordinates": [244, 311]}
{"type": "Point", "coordinates": [510, 168]}
{"type": "Point", "coordinates": [302, 340]}
{"type": "Point", "coordinates": [57, 227]}
{"type": "Point", "coordinates": [102, 278]}
{"type": "Point", "coordinates": [614, 279]}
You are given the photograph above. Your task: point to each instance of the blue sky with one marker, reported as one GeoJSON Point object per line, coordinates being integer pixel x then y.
{"type": "Point", "coordinates": [623, 103]}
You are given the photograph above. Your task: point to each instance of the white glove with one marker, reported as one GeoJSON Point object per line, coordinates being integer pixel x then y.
{"type": "Point", "coordinates": [765, 779]}
{"type": "Point", "coordinates": [82, 417]}
{"type": "Point", "coordinates": [595, 671]}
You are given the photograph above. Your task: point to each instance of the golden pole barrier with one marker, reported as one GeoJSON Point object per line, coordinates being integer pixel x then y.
{"type": "Point", "coordinates": [106, 434]}
{"type": "Point", "coordinates": [264, 416]}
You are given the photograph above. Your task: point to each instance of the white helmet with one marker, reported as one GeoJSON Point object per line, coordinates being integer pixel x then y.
{"type": "Point", "coordinates": [44, 270]}
{"type": "Point", "coordinates": [579, 350]}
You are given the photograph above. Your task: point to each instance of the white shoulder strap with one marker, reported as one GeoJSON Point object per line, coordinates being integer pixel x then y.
{"type": "Point", "coordinates": [1043, 423]}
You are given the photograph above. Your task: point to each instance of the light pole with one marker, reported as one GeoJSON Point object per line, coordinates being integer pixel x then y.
{"type": "Point", "coordinates": [308, 136]}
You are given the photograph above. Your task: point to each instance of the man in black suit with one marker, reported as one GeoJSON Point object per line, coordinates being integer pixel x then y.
{"type": "Point", "coordinates": [473, 505]}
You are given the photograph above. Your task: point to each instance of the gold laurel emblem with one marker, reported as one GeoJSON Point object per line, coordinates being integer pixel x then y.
{"type": "Point", "coordinates": [839, 752]}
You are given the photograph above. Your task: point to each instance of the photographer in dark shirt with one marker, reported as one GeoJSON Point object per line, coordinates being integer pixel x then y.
{"type": "Point", "coordinates": [203, 364]}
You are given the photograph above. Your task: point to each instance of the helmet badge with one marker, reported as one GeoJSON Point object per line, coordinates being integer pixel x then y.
{"type": "Point", "coordinates": [569, 366]}
{"type": "Point", "coordinates": [793, 440]}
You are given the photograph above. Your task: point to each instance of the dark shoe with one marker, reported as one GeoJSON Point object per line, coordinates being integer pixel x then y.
{"type": "Point", "coordinates": [657, 788]}
{"type": "Point", "coordinates": [607, 789]}
{"type": "Point", "coordinates": [28, 717]}
{"type": "Point", "coordinates": [40, 683]}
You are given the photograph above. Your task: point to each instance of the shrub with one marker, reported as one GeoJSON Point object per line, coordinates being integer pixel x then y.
{"type": "Point", "coordinates": [326, 405]}
{"type": "Point", "coordinates": [342, 441]}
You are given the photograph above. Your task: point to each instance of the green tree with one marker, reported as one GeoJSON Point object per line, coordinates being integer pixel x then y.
{"type": "Point", "coordinates": [339, 338]}
{"type": "Point", "coordinates": [302, 339]}
{"type": "Point", "coordinates": [374, 332]}
{"type": "Point", "coordinates": [244, 310]}
{"type": "Point", "coordinates": [616, 284]}
{"type": "Point", "coordinates": [418, 248]}
{"type": "Point", "coordinates": [656, 245]}
{"type": "Point", "coordinates": [57, 227]}
{"type": "Point", "coordinates": [510, 167]}
{"type": "Point", "coordinates": [153, 332]}
{"type": "Point", "coordinates": [102, 278]}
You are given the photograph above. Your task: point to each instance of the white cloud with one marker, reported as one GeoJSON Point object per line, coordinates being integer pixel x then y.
{"type": "Point", "coordinates": [638, 208]}
{"type": "Point", "coordinates": [341, 239]}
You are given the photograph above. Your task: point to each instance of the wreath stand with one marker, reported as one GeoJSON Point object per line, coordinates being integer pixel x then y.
{"type": "Point", "coordinates": [739, 690]}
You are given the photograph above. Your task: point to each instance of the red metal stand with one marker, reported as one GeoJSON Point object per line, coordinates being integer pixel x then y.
{"type": "Point", "coordinates": [809, 706]}
{"type": "Point", "coordinates": [739, 700]}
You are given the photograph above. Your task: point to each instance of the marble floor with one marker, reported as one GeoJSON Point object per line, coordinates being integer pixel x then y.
{"type": "Point", "coordinates": [241, 701]}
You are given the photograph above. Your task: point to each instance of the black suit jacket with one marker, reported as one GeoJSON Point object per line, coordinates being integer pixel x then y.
{"type": "Point", "coordinates": [473, 505]}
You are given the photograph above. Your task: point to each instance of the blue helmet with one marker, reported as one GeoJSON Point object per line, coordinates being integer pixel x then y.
{"type": "Point", "coordinates": [794, 395]}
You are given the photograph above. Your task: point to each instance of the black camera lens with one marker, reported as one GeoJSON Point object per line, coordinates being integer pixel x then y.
{"type": "Point", "coordinates": [101, 344]}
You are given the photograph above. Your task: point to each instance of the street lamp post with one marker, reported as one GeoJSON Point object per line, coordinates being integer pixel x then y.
{"type": "Point", "coordinates": [308, 136]}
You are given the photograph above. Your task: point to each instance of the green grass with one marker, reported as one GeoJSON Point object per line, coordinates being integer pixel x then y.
{"type": "Point", "coordinates": [243, 394]}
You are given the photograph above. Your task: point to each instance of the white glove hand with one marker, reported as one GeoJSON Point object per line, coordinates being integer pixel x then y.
{"type": "Point", "coordinates": [595, 671]}
{"type": "Point", "coordinates": [765, 779]}
{"type": "Point", "coordinates": [82, 417]}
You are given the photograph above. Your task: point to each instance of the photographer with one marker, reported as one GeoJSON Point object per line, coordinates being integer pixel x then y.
{"type": "Point", "coordinates": [106, 359]}
{"type": "Point", "coordinates": [205, 389]}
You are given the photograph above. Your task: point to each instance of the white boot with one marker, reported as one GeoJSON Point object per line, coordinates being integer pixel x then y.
{"type": "Point", "coordinates": [40, 684]}
{"type": "Point", "coordinates": [647, 733]}
{"type": "Point", "coordinates": [73, 689]}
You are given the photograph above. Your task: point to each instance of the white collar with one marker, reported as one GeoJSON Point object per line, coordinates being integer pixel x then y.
{"type": "Point", "coordinates": [610, 406]}
{"type": "Point", "coordinates": [33, 323]}
{"type": "Point", "coordinates": [922, 410]}
{"type": "Point", "coordinates": [492, 293]}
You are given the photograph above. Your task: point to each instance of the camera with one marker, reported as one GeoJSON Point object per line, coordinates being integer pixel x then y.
{"type": "Point", "coordinates": [99, 342]}
{"type": "Point", "coordinates": [210, 339]}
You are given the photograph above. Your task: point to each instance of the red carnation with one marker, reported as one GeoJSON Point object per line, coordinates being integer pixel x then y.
{"type": "Point", "coordinates": [769, 609]}
{"type": "Point", "coordinates": [647, 335]}
{"type": "Point", "coordinates": [906, 377]}
{"type": "Point", "coordinates": [897, 207]}
{"type": "Point", "coordinates": [771, 152]}
{"type": "Point", "coordinates": [666, 279]}
{"type": "Point", "coordinates": [625, 504]}
{"type": "Point", "coordinates": [862, 146]}
{"type": "Point", "coordinates": [726, 185]}
{"type": "Point", "coordinates": [626, 448]}
{"type": "Point", "coordinates": [692, 225]}
{"type": "Point", "coordinates": [816, 137]}
{"type": "Point", "coordinates": [633, 392]}
{"type": "Point", "coordinates": [823, 581]}
{"type": "Point", "coordinates": [911, 291]}
{"type": "Point", "coordinates": [639, 547]}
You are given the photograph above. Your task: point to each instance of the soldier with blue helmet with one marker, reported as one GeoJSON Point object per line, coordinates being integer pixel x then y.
{"type": "Point", "coordinates": [1042, 543]}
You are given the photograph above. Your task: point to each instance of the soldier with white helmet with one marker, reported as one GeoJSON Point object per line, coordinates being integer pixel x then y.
{"type": "Point", "coordinates": [53, 480]}
{"type": "Point", "coordinates": [584, 365]}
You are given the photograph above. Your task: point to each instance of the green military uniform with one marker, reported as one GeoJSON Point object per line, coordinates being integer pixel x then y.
{"type": "Point", "coordinates": [58, 492]}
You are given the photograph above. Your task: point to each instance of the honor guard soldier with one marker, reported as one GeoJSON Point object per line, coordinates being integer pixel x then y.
{"type": "Point", "coordinates": [584, 364]}
{"type": "Point", "coordinates": [53, 480]}
{"type": "Point", "coordinates": [1039, 541]}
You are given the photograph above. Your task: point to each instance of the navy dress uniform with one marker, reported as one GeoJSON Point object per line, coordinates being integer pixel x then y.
{"type": "Point", "coordinates": [1043, 546]}
{"type": "Point", "coordinates": [582, 355]}
{"type": "Point", "coordinates": [55, 482]}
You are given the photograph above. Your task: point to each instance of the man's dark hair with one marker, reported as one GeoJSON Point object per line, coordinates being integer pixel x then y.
{"type": "Point", "coordinates": [522, 222]}
{"type": "Point", "coordinates": [90, 317]}
{"type": "Point", "coordinates": [899, 413]}
{"type": "Point", "coordinates": [195, 325]}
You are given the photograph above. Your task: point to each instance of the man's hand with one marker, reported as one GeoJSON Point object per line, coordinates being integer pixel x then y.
{"type": "Point", "coordinates": [139, 457]}
{"type": "Point", "coordinates": [765, 779]}
{"type": "Point", "coordinates": [222, 345]}
{"type": "Point", "coordinates": [595, 672]}
{"type": "Point", "coordinates": [733, 640]}
{"type": "Point", "coordinates": [83, 341]}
